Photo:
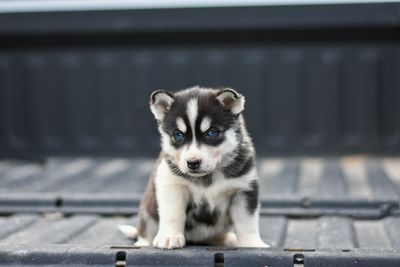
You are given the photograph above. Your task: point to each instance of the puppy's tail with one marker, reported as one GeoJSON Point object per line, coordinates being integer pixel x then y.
{"type": "Point", "coordinates": [128, 230]}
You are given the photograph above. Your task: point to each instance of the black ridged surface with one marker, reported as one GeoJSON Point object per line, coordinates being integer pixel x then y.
{"type": "Point", "coordinates": [356, 186]}
{"type": "Point", "coordinates": [323, 209]}
{"type": "Point", "coordinates": [82, 239]}
{"type": "Point", "coordinates": [326, 84]}
{"type": "Point", "coordinates": [318, 80]}
{"type": "Point", "coordinates": [323, 232]}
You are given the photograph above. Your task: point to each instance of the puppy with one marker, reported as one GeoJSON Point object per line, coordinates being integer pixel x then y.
{"type": "Point", "coordinates": [205, 183]}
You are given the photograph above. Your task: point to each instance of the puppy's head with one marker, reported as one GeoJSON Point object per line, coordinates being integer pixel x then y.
{"type": "Point", "coordinates": [200, 128]}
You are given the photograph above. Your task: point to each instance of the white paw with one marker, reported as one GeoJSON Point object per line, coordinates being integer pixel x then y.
{"type": "Point", "coordinates": [258, 243]}
{"type": "Point", "coordinates": [141, 242]}
{"type": "Point", "coordinates": [230, 240]}
{"type": "Point", "coordinates": [169, 241]}
{"type": "Point", "coordinates": [128, 230]}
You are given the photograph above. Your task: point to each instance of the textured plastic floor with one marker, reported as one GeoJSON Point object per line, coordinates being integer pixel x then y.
{"type": "Point", "coordinates": [279, 231]}
{"type": "Point", "coordinates": [315, 211]}
{"type": "Point", "coordinates": [290, 186]}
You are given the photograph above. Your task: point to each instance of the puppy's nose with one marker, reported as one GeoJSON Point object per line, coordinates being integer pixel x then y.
{"type": "Point", "coordinates": [193, 164]}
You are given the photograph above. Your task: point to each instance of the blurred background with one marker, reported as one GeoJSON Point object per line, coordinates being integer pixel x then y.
{"type": "Point", "coordinates": [319, 76]}
{"type": "Point", "coordinates": [322, 86]}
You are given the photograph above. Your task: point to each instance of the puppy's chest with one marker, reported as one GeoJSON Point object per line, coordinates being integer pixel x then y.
{"type": "Point", "coordinates": [207, 211]}
{"type": "Point", "coordinates": [209, 207]}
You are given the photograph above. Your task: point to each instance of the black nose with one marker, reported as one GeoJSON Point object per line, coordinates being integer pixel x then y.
{"type": "Point", "coordinates": [193, 164]}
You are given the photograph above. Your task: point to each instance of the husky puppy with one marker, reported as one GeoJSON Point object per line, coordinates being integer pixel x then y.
{"type": "Point", "coordinates": [205, 183]}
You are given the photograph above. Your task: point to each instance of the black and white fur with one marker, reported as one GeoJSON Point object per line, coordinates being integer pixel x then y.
{"type": "Point", "coordinates": [215, 203]}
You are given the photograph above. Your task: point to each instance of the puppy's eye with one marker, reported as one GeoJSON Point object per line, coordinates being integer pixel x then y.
{"type": "Point", "coordinates": [179, 136]}
{"type": "Point", "coordinates": [212, 133]}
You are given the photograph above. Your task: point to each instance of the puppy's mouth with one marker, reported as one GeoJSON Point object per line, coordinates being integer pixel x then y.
{"type": "Point", "coordinates": [197, 173]}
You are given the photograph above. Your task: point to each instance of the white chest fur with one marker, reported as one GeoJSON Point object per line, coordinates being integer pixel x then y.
{"type": "Point", "coordinates": [207, 214]}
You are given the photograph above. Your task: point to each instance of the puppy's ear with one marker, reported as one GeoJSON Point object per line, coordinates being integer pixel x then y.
{"type": "Point", "coordinates": [231, 100]}
{"type": "Point", "coordinates": [160, 103]}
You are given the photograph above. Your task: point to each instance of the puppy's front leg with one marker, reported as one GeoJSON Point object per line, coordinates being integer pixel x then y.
{"type": "Point", "coordinates": [245, 217]}
{"type": "Point", "coordinates": [172, 201]}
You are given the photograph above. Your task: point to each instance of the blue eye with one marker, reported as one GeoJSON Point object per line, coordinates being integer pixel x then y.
{"type": "Point", "coordinates": [179, 136]}
{"type": "Point", "coordinates": [212, 133]}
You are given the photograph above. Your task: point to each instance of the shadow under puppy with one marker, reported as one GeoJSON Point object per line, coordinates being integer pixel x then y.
{"type": "Point", "coordinates": [204, 186]}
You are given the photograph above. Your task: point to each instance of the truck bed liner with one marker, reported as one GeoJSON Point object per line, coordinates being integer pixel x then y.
{"type": "Point", "coordinates": [320, 211]}
{"type": "Point", "coordinates": [356, 186]}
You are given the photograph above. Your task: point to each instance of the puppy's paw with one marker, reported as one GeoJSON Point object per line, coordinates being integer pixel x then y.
{"type": "Point", "coordinates": [128, 230]}
{"type": "Point", "coordinates": [169, 241]}
{"type": "Point", "coordinates": [230, 240]}
{"type": "Point", "coordinates": [142, 242]}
